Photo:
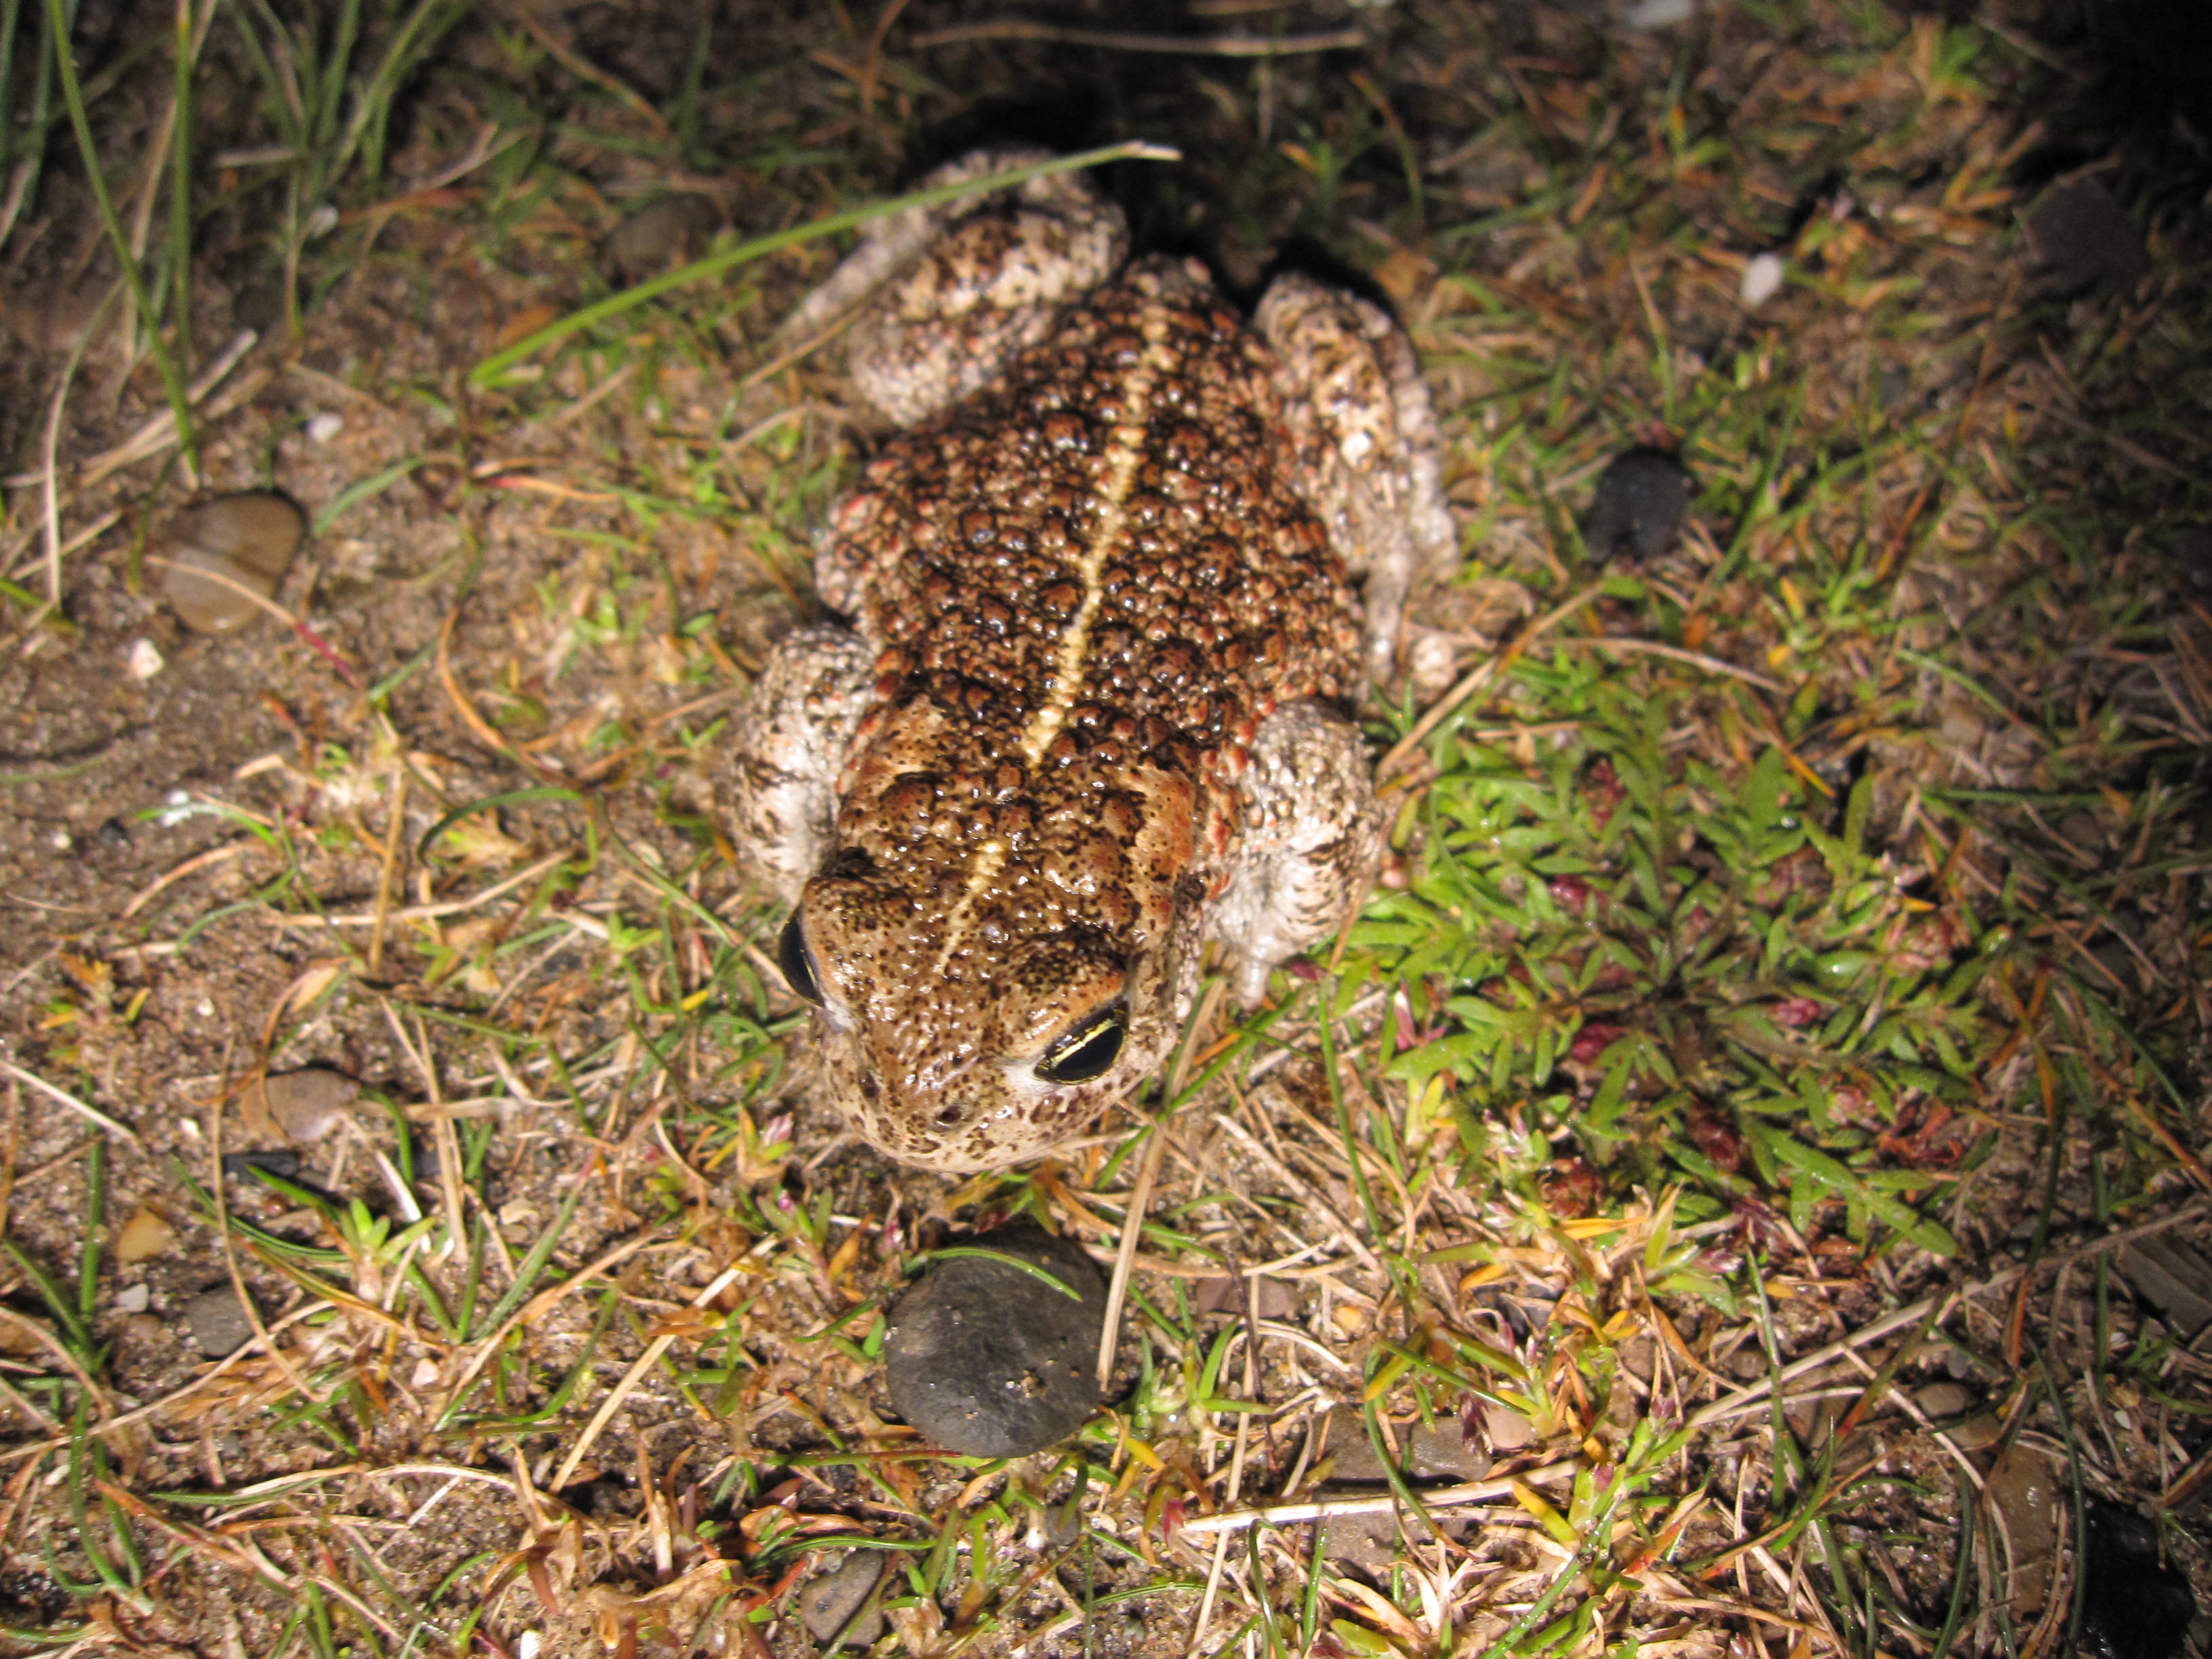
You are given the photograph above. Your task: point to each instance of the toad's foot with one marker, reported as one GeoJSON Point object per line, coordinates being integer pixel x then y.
{"type": "Point", "coordinates": [790, 743]}
{"type": "Point", "coordinates": [949, 292]}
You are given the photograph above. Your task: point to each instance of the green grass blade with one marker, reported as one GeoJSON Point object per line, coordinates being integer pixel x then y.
{"type": "Point", "coordinates": [73, 94]}
{"type": "Point", "coordinates": [488, 372]}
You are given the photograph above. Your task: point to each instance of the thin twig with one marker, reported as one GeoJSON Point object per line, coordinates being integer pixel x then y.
{"type": "Point", "coordinates": [1672, 652]}
{"type": "Point", "coordinates": [426, 912]}
{"type": "Point", "coordinates": [1442, 1498]}
{"type": "Point", "coordinates": [198, 861]}
{"type": "Point", "coordinates": [543, 1303]}
{"type": "Point", "coordinates": [159, 433]}
{"type": "Point", "coordinates": [1476, 678]}
{"type": "Point", "coordinates": [1206, 46]}
{"type": "Point", "coordinates": [392, 832]}
{"type": "Point", "coordinates": [1132, 1218]}
{"type": "Point", "coordinates": [1728, 1405]}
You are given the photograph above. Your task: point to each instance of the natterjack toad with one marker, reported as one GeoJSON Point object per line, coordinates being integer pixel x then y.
{"type": "Point", "coordinates": [1089, 710]}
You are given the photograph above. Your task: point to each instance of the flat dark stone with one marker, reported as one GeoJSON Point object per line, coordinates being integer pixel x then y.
{"type": "Point", "coordinates": [308, 1104]}
{"type": "Point", "coordinates": [985, 1360]}
{"type": "Point", "coordinates": [1642, 499]}
{"type": "Point", "coordinates": [280, 1161]}
{"type": "Point", "coordinates": [827, 1603]}
{"type": "Point", "coordinates": [2082, 240]}
{"type": "Point", "coordinates": [218, 1322]}
{"type": "Point", "coordinates": [2135, 1604]}
{"type": "Point", "coordinates": [669, 232]}
{"type": "Point", "coordinates": [1428, 1457]}
{"type": "Point", "coordinates": [2188, 551]}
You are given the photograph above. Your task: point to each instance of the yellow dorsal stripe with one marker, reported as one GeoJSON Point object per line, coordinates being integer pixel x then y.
{"type": "Point", "coordinates": [1124, 450]}
{"type": "Point", "coordinates": [1117, 477]}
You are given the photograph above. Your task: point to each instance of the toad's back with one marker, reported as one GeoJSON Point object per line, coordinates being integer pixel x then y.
{"type": "Point", "coordinates": [1100, 559]}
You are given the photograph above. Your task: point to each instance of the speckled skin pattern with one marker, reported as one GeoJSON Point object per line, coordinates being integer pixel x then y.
{"type": "Point", "coordinates": [1090, 709]}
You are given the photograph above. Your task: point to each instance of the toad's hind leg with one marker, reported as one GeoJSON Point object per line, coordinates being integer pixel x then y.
{"type": "Point", "coordinates": [948, 294]}
{"type": "Point", "coordinates": [1365, 442]}
{"type": "Point", "coordinates": [1311, 837]}
{"type": "Point", "coordinates": [789, 744]}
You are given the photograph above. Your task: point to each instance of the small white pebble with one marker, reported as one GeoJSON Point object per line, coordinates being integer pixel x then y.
{"type": "Point", "coordinates": [144, 661]}
{"type": "Point", "coordinates": [322, 221]}
{"type": "Point", "coordinates": [1356, 445]}
{"type": "Point", "coordinates": [1762, 279]}
{"type": "Point", "coordinates": [527, 1643]}
{"type": "Point", "coordinates": [1431, 660]}
{"type": "Point", "coordinates": [426, 1373]}
{"type": "Point", "coordinates": [60, 840]}
{"type": "Point", "coordinates": [133, 1299]}
{"type": "Point", "coordinates": [206, 1008]}
{"type": "Point", "coordinates": [189, 1128]}
{"type": "Point", "coordinates": [325, 427]}
{"type": "Point", "coordinates": [1658, 14]}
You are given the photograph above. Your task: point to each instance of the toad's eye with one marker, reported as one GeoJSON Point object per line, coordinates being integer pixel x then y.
{"type": "Point", "coordinates": [1088, 1050]}
{"type": "Point", "coordinates": [797, 962]}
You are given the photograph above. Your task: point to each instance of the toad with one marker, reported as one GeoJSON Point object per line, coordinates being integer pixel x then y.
{"type": "Point", "coordinates": [1086, 707]}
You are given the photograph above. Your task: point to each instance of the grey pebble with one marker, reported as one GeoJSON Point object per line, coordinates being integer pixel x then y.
{"type": "Point", "coordinates": [309, 1104]}
{"type": "Point", "coordinates": [985, 1360]}
{"type": "Point", "coordinates": [222, 554]}
{"type": "Point", "coordinates": [217, 1322]}
{"type": "Point", "coordinates": [1642, 499]}
{"type": "Point", "coordinates": [1942, 1400]}
{"type": "Point", "coordinates": [1271, 1297]}
{"type": "Point", "coordinates": [1508, 1430]}
{"type": "Point", "coordinates": [672, 230]}
{"type": "Point", "coordinates": [1428, 1455]}
{"type": "Point", "coordinates": [1978, 1433]}
{"type": "Point", "coordinates": [826, 1603]}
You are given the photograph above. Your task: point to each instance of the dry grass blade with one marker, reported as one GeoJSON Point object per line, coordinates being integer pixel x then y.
{"type": "Point", "coordinates": [1443, 708]}
{"type": "Point", "coordinates": [63, 1098]}
{"type": "Point", "coordinates": [621, 1391]}
{"type": "Point", "coordinates": [160, 431]}
{"type": "Point", "coordinates": [1214, 45]}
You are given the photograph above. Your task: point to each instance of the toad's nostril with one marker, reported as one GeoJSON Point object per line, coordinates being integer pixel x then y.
{"type": "Point", "coordinates": [950, 1116]}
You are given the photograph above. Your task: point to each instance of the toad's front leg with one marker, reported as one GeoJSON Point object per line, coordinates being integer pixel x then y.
{"type": "Point", "coordinates": [790, 744]}
{"type": "Point", "coordinates": [1308, 843]}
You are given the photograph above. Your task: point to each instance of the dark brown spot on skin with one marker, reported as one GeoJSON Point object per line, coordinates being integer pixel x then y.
{"type": "Point", "coordinates": [909, 799]}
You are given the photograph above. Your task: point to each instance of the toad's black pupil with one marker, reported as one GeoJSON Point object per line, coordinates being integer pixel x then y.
{"type": "Point", "coordinates": [797, 966]}
{"type": "Point", "coordinates": [1088, 1055]}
